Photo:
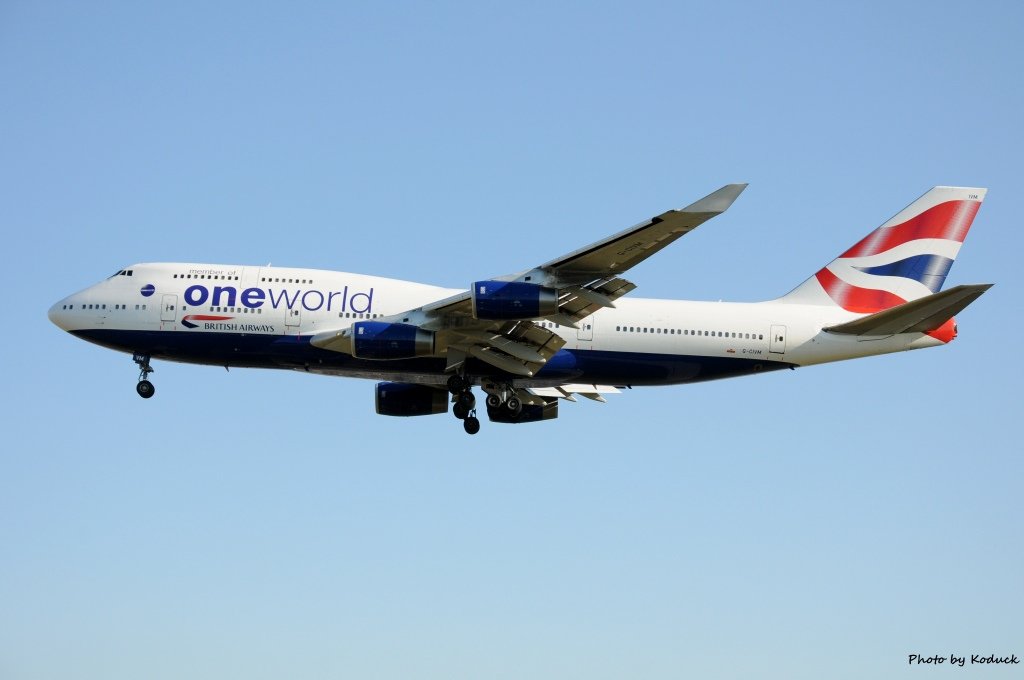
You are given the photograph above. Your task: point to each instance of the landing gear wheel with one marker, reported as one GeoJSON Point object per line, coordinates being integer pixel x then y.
{"type": "Point", "coordinates": [456, 384]}
{"type": "Point", "coordinates": [493, 401]}
{"type": "Point", "coordinates": [471, 425]}
{"type": "Point", "coordinates": [145, 389]}
{"type": "Point", "coordinates": [460, 411]}
{"type": "Point", "coordinates": [466, 399]}
{"type": "Point", "coordinates": [514, 406]}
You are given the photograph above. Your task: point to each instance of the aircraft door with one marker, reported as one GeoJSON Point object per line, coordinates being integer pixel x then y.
{"type": "Point", "coordinates": [169, 309]}
{"type": "Point", "coordinates": [250, 278]}
{"type": "Point", "coordinates": [777, 342]}
{"type": "Point", "coordinates": [586, 329]}
{"type": "Point", "coordinates": [292, 319]}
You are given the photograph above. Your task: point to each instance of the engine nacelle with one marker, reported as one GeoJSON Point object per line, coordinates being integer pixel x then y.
{"type": "Point", "coordinates": [381, 340]}
{"type": "Point", "coordinates": [513, 300]}
{"type": "Point", "coordinates": [529, 414]}
{"type": "Point", "coordinates": [404, 399]}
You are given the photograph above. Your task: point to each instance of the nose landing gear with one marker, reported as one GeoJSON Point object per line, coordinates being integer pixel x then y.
{"type": "Point", "coordinates": [144, 387]}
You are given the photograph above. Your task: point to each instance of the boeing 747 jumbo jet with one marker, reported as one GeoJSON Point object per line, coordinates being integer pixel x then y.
{"type": "Point", "coordinates": [547, 333]}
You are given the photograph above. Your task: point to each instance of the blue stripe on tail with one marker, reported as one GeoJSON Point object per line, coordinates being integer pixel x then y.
{"type": "Point", "coordinates": [930, 270]}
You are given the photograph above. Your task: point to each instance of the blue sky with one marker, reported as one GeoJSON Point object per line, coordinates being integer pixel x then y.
{"type": "Point", "coordinates": [818, 523]}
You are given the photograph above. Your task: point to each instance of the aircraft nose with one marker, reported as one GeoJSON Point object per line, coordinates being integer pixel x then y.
{"type": "Point", "coordinates": [59, 315]}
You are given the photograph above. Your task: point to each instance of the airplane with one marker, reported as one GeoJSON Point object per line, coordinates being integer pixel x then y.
{"type": "Point", "coordinates": [545, 334]}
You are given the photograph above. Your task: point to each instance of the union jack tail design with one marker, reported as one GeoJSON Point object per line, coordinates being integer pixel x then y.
{"type": "Point", "coordinates": [906, 258]}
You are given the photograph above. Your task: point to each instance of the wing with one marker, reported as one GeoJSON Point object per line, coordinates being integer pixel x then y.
{"type": "Point", "coordinates": [494, 320]}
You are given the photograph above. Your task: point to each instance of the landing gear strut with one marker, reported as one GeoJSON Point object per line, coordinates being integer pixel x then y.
{"type": "Point", "coordinates": [465, 403]}
{"type": "Point", "coordinates": [144, 387]}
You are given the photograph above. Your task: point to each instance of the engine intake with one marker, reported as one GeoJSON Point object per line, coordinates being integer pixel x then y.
{"type": "Point", "coordinates": [405, 399]}
{"type": "Point", "coordinates": [381, 340]}
{"type": "Point", "coordinates": [513, 300]}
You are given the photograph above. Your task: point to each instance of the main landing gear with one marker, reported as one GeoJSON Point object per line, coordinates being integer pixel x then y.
{"type": "Point", "coordinates": [144, 387]}
{"type": "Point", "coordinates": [503, 397]}
{"type": "Point", "coordinates": [465, 403]}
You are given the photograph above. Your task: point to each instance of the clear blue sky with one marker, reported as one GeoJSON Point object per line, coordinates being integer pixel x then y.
{"type": "Point", "coordinates": [818, 523]}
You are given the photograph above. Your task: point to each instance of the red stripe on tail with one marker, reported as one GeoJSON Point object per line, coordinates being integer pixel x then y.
{"type": "Point", "coordinates": [855, 299]}
{"type": "Point", "coordinates": [951, 220]}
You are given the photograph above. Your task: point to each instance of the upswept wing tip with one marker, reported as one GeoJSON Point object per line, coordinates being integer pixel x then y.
{"type": "Point", "coordinates": [717, 201]}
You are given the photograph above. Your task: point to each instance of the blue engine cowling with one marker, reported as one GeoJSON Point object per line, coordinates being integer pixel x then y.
{"type": "Point", "coordinates": [381, 340]}
{"type": "Point", "coordinates": [513, 300]}
{"type": "Point", "coordinates": [404, 399]}
{"type": "Point", "coordinates": [529, 414]}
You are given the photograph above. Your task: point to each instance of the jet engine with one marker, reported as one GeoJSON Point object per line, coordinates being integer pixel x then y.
{"type": "Point", "coordinates": [381, 340]}
{"type": "Point", "coordinates": [529, 414]}
{"type": "Point", "coordinates": [513, 300]}
{"type": "Point", "coordinates": [405, 399]}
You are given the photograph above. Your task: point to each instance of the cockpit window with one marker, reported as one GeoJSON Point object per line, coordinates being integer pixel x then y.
{"type": "Point", "coordinates": [123, 272]}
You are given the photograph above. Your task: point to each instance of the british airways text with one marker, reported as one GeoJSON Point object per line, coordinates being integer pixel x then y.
{"type": "Point", "coordinates": [311, 300]}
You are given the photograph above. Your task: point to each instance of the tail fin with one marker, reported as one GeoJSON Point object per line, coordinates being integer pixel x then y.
{"type": "Point", "coordinates": [905, 259]}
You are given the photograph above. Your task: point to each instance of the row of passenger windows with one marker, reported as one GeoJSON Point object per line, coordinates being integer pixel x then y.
{"type": "Point", "coordinates": [101, 306]}
{"type": "Point", "coordinates": [225, 310]}
{"type": "Point", "coordinates": [205, 276]}
{"type": "Point", "coordinates": [218, 277]}
{"type": "Point", "coordinates": [233, 310]}
{"type": "Point", "coordinates": [544, 324]}
{"type": "Point", "coordinates": [280, 280]}
{"type": "Point", "coordinates": [686, 331]}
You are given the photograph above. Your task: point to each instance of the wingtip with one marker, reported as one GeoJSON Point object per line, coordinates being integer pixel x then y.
{"type": "Point", "coordinates": [717, 201]}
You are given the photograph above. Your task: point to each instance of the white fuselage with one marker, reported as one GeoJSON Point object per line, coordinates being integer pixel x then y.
{"type": "Point", "coordinates": [260, 316]}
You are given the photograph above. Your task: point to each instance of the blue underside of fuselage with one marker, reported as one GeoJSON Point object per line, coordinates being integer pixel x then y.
{"type": "Point", "coordinates": [295, 352]}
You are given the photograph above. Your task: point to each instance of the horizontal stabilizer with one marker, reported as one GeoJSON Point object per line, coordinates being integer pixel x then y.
{"type": "Point", "coordinates": [918, 316]}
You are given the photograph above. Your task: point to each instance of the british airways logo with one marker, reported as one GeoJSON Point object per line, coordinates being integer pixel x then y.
{"type": "Point", "coordinates": [899, 262]}
{"type": "Point", "coordinates": [147, 290]}
{"type": "Point", "coordinates": [223, 323]}
{"type": "Point", "coordinates": [188, 321]}
{"type": "Point", "coordinates": [311, 300]}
